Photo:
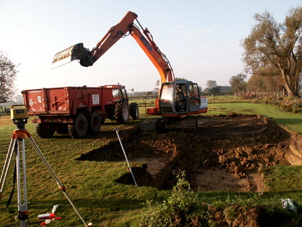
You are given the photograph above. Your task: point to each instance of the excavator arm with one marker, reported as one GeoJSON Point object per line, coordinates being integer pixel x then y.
{"type": "Point", "coordinates": [126, 25]}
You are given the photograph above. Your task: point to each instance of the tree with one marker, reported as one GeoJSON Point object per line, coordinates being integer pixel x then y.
{"type": "Point", "coordinates": [179, 78]}
{"type": "Point", "coordinates": [214, 90]}
{"type": "Point", "coordinates": [300, 80]}
{"type": "Point", "coordinates": [278, 46]}
{"type": "Point", "coordinates": [256, 83]}
{"type": "Point", "coordinates": [238, 83]}
{"type": "Point", "coordinates": [8, 71]}
{"type": "Point", "coordinates": [264, 83]}
{"type": "Point", "coordinates": [211, 84]}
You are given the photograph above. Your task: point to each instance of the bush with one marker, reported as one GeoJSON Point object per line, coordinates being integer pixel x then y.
{"type": "Point", "coordinates": [287, 105]}
{"type": "Point", "coordinates": [177, 210]}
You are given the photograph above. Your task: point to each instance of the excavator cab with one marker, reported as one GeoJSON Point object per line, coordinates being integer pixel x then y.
{"type": "Point", "coordinates": [181, 98]}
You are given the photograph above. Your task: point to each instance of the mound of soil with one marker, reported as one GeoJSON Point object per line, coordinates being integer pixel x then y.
{"type": "Point", "coordinates": [223, 154]}
{"type": "Point", "coordinates": [235, 216]}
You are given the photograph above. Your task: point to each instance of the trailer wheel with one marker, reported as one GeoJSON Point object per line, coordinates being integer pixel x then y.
{"type": "Point", "coordinates": [79, 127]}
{"type": "Point", "coordinates": [95, 122]}
{"type": "Point", "coordinates": [134, 112]}
{"type": "Point", "coordinates": [121, 112]}
{"type": "Point", "coordinates": [45, 130]}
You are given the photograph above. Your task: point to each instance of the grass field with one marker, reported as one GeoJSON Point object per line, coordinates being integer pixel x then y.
{"type": "Point", "coordinates": [104, 202]}
{"type": "Point", "coordinates": [289, 120]}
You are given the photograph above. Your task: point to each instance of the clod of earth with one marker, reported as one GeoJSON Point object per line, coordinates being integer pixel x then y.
{"type": "Point", "coordinates": [223, 154]}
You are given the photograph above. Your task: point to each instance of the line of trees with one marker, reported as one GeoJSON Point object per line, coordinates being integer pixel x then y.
{"type": "Point", "coordinates": [262, 85]}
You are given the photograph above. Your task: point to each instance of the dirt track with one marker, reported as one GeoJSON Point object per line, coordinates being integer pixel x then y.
{"type": "Point", "coordinates": [224, 154]}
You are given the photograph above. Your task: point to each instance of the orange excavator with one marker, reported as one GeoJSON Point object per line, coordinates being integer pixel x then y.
{"type": "Point", "coordinates": [176, 98]}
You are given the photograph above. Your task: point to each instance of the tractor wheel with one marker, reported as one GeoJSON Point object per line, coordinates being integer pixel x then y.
{"type": "Point", "coordinates": [79, 127]}
{"type": "Point", "coordinates": [45, 130]}
{"type": "Point", "coordinates": [134, 112]}
{"type": "Point", "coordinates": [121, 112]}
{"type": "Point", "coordinates": [95, 122]}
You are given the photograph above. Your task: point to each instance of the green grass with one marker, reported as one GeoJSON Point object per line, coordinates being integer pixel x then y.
{"type": "Point", "coordinates": [279, 176]}
{"type": "Point", "coordinates": [92, 187]}
{"type": "Point", "coordinates": [290, 120]}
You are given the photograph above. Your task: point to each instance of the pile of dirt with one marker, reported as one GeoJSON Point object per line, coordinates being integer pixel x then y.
{"type": "Point", "coordinates": [223, 154]}
{"type": "Point", "coordinates": [235, 215]}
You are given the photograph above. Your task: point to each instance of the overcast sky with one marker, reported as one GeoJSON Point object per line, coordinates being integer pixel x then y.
{"type": "Point", "coordinates": [201, 38]}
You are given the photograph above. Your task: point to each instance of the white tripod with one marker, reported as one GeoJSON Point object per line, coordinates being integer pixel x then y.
{"type": "Point", "coordinates": [17, 144]}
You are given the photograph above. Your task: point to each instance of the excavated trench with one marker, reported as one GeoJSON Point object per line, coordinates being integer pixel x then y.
{"type": "Point", "coordinates": [223, 154]}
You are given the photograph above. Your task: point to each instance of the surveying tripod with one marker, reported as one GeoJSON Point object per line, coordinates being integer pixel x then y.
{"type": "Point", "coordinates": [17, 144]}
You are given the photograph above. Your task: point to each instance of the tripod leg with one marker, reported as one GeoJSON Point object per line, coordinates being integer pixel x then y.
{"type": "Point", "coordinates": [21, 168]}
{"type": "Point", "coordinates": [7, 163]}
{"type": "Point", "coordinates": [61, 186]}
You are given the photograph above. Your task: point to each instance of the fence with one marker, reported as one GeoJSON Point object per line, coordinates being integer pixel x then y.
{"type": "Point", "coordinates": [4, 109]}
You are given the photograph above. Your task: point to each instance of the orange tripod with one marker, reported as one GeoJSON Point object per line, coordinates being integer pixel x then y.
{"type": "Point", "coordinates": [17, 144]}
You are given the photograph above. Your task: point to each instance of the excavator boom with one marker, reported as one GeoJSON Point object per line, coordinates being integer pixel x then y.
{"type": "Point", "coordinates": [115, 33]}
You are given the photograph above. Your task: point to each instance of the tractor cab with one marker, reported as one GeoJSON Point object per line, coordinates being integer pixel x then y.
{"type": "Point", "coordinates": [119, 93]}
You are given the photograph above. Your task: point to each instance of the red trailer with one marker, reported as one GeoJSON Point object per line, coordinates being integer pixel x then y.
{"type": "Point", "coordinates": [77, 110]}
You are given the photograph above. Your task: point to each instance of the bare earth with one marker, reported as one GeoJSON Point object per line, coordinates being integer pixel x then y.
{"type": "Point", "coordinates": [223, 154]}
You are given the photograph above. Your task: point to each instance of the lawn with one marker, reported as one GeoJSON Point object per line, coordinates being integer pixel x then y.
{"type": "Point", "coordinates": [290, 120]}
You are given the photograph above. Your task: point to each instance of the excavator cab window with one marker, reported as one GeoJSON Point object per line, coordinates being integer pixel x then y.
{"type": "Point", "coordinates": [180, 98]}
{"type": "Point", "coordinates": [167, 92]}
{"type": "Point", "coordinates": [166, 98]}
{"type": "Point", "coordinates": [194, 97]}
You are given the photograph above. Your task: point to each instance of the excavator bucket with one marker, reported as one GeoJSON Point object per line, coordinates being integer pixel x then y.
{"type": "Point", "coordinates": [75, 52]}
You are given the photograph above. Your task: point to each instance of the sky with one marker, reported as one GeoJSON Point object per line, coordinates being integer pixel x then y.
{"type": "Point", "coordinates": [201, 38]}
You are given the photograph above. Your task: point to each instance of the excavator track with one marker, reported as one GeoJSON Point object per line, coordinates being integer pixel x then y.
{"type": "Point", "coordinates": [186, 124]}
{"type": "Point", "coordinates": [150, 124]}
